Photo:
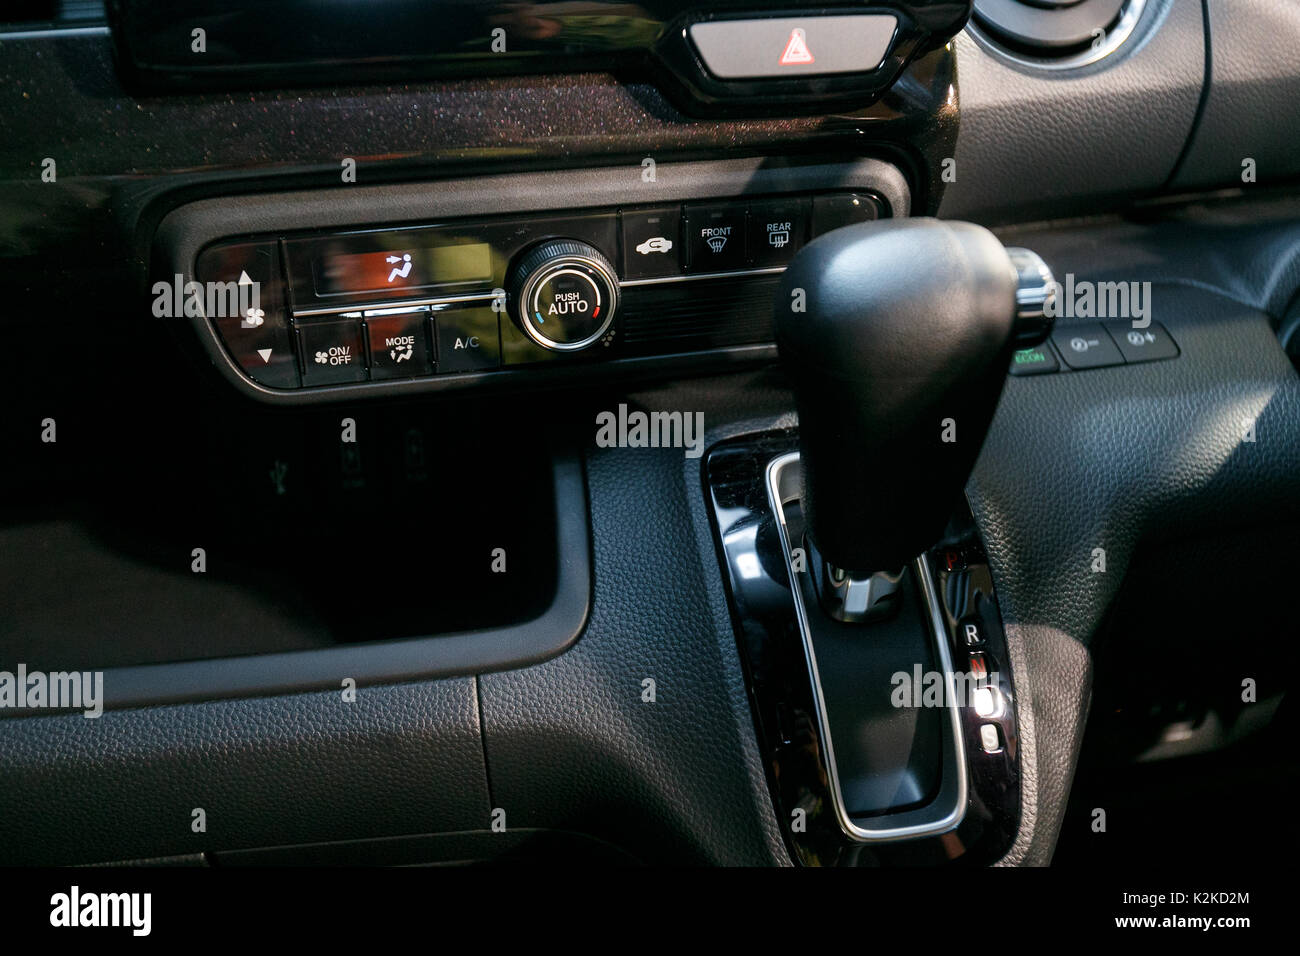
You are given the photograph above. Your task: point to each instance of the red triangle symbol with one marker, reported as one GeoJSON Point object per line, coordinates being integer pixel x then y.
{"type": "Point", "coordinates": [796, 51]}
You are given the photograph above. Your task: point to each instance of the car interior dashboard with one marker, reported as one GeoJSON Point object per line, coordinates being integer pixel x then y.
{"type": "Point", "coordinates": [648, 432]}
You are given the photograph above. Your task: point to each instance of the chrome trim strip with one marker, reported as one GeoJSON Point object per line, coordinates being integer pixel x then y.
{"type": "Point", "coordinates": [738, 274]}
{"type": "Point", "coordinates": [400, 310]}
{"type": "Point", "coordinates": [55, 33]}
{"type": "Point", "coordinates": [402, 304]}
{"type": "Point", "coordinates": [869, 834]}
{"type": "Point", "coordinates": [488, 296]}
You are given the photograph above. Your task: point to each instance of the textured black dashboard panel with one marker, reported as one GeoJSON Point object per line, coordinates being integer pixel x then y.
{"type": "Point", "coordinates": [1112, 458]}
{"type": "Point", "coordinates": [1038, 142]}
{"type": "Point", "coordinates": [1250, 110]}
{"type": "Point", "coordinates": [571, 744]}
{"type": "Point", "coordinates": [267, 771]}
{"type": "Point", "coordinates": [1243, 247]}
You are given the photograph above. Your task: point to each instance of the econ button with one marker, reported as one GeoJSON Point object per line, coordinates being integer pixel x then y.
{"type": "Point", "coordinates": [794, 46]}
{"type": "Point", "coordinates": [1037, 360]}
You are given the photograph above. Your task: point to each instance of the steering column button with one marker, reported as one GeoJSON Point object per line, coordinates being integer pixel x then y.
{"type": "Point", "coordinates": [244, 292]}
{"type": "Point", "coordinates": [652, 244]}
{"type": "Point", "coordinates": [1086, 346]}
{"type": "Point", "coordinates": [1142, 345]}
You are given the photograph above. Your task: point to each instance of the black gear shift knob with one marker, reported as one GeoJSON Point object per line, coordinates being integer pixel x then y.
{"type": "Point", "coordinates": [898, 335]}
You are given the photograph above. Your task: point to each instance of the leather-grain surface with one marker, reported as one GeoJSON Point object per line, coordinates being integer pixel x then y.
{"type": "Point", "coordinates": [1250, 109]}
{"type": "Point", "coordinates": [1037, 142]}
{"type": "Point", "coordinates": [570, 742]}
{"type": "Point", "coordinates": [1111, 458]}
{"type": "Point", "coordinates": [266, 772]}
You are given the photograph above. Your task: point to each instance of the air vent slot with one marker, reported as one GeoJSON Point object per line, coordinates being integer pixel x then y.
{"type": "Point", "coordinates": [681, 316]}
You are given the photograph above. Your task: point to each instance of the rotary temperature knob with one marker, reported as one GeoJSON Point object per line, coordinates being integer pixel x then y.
{"type": "Point", "coordinates": [565, 295]}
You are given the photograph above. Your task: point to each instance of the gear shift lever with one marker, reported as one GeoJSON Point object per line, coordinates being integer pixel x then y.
{"type": "Point", "coordinates": [898, 335]}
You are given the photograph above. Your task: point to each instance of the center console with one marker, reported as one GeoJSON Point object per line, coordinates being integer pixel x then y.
{"type": "Point", "coordinates": [849, 556]}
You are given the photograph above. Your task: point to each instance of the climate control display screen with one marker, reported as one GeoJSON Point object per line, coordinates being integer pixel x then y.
{"type": "Point", "coordinates": [411, 268]}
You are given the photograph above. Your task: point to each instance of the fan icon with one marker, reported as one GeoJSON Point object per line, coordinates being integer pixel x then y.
{"type": "Point", "coordinates": [322, 358]}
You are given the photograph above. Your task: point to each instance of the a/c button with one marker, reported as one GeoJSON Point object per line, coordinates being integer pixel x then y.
{"type": "Point", "coordinates": [469, 339]}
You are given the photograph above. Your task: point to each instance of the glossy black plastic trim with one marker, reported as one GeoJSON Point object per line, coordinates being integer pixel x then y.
{"type": "Point", "coordinates": [186, 231]}
{"type": "Point", "coordinates": [249, 45]}
{"type": "Point", "coordinates": [409, 659]}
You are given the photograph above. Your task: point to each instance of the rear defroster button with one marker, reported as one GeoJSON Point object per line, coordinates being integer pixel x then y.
{"type": "Point", "coordinates": [777, 230]}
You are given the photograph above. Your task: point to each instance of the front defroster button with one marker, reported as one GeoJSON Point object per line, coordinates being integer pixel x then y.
{"type": "Point", "coordinates": [715, 237]}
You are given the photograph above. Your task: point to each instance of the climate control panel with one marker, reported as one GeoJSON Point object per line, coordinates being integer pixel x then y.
{"type": "Point", "coordinates": [460, 300]}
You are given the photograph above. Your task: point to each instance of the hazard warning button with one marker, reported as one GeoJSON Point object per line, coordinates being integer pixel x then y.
{"type": "Point", "coordinates": [796, 49]}
{"type": "Point", "coordinates": [794, 46]}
